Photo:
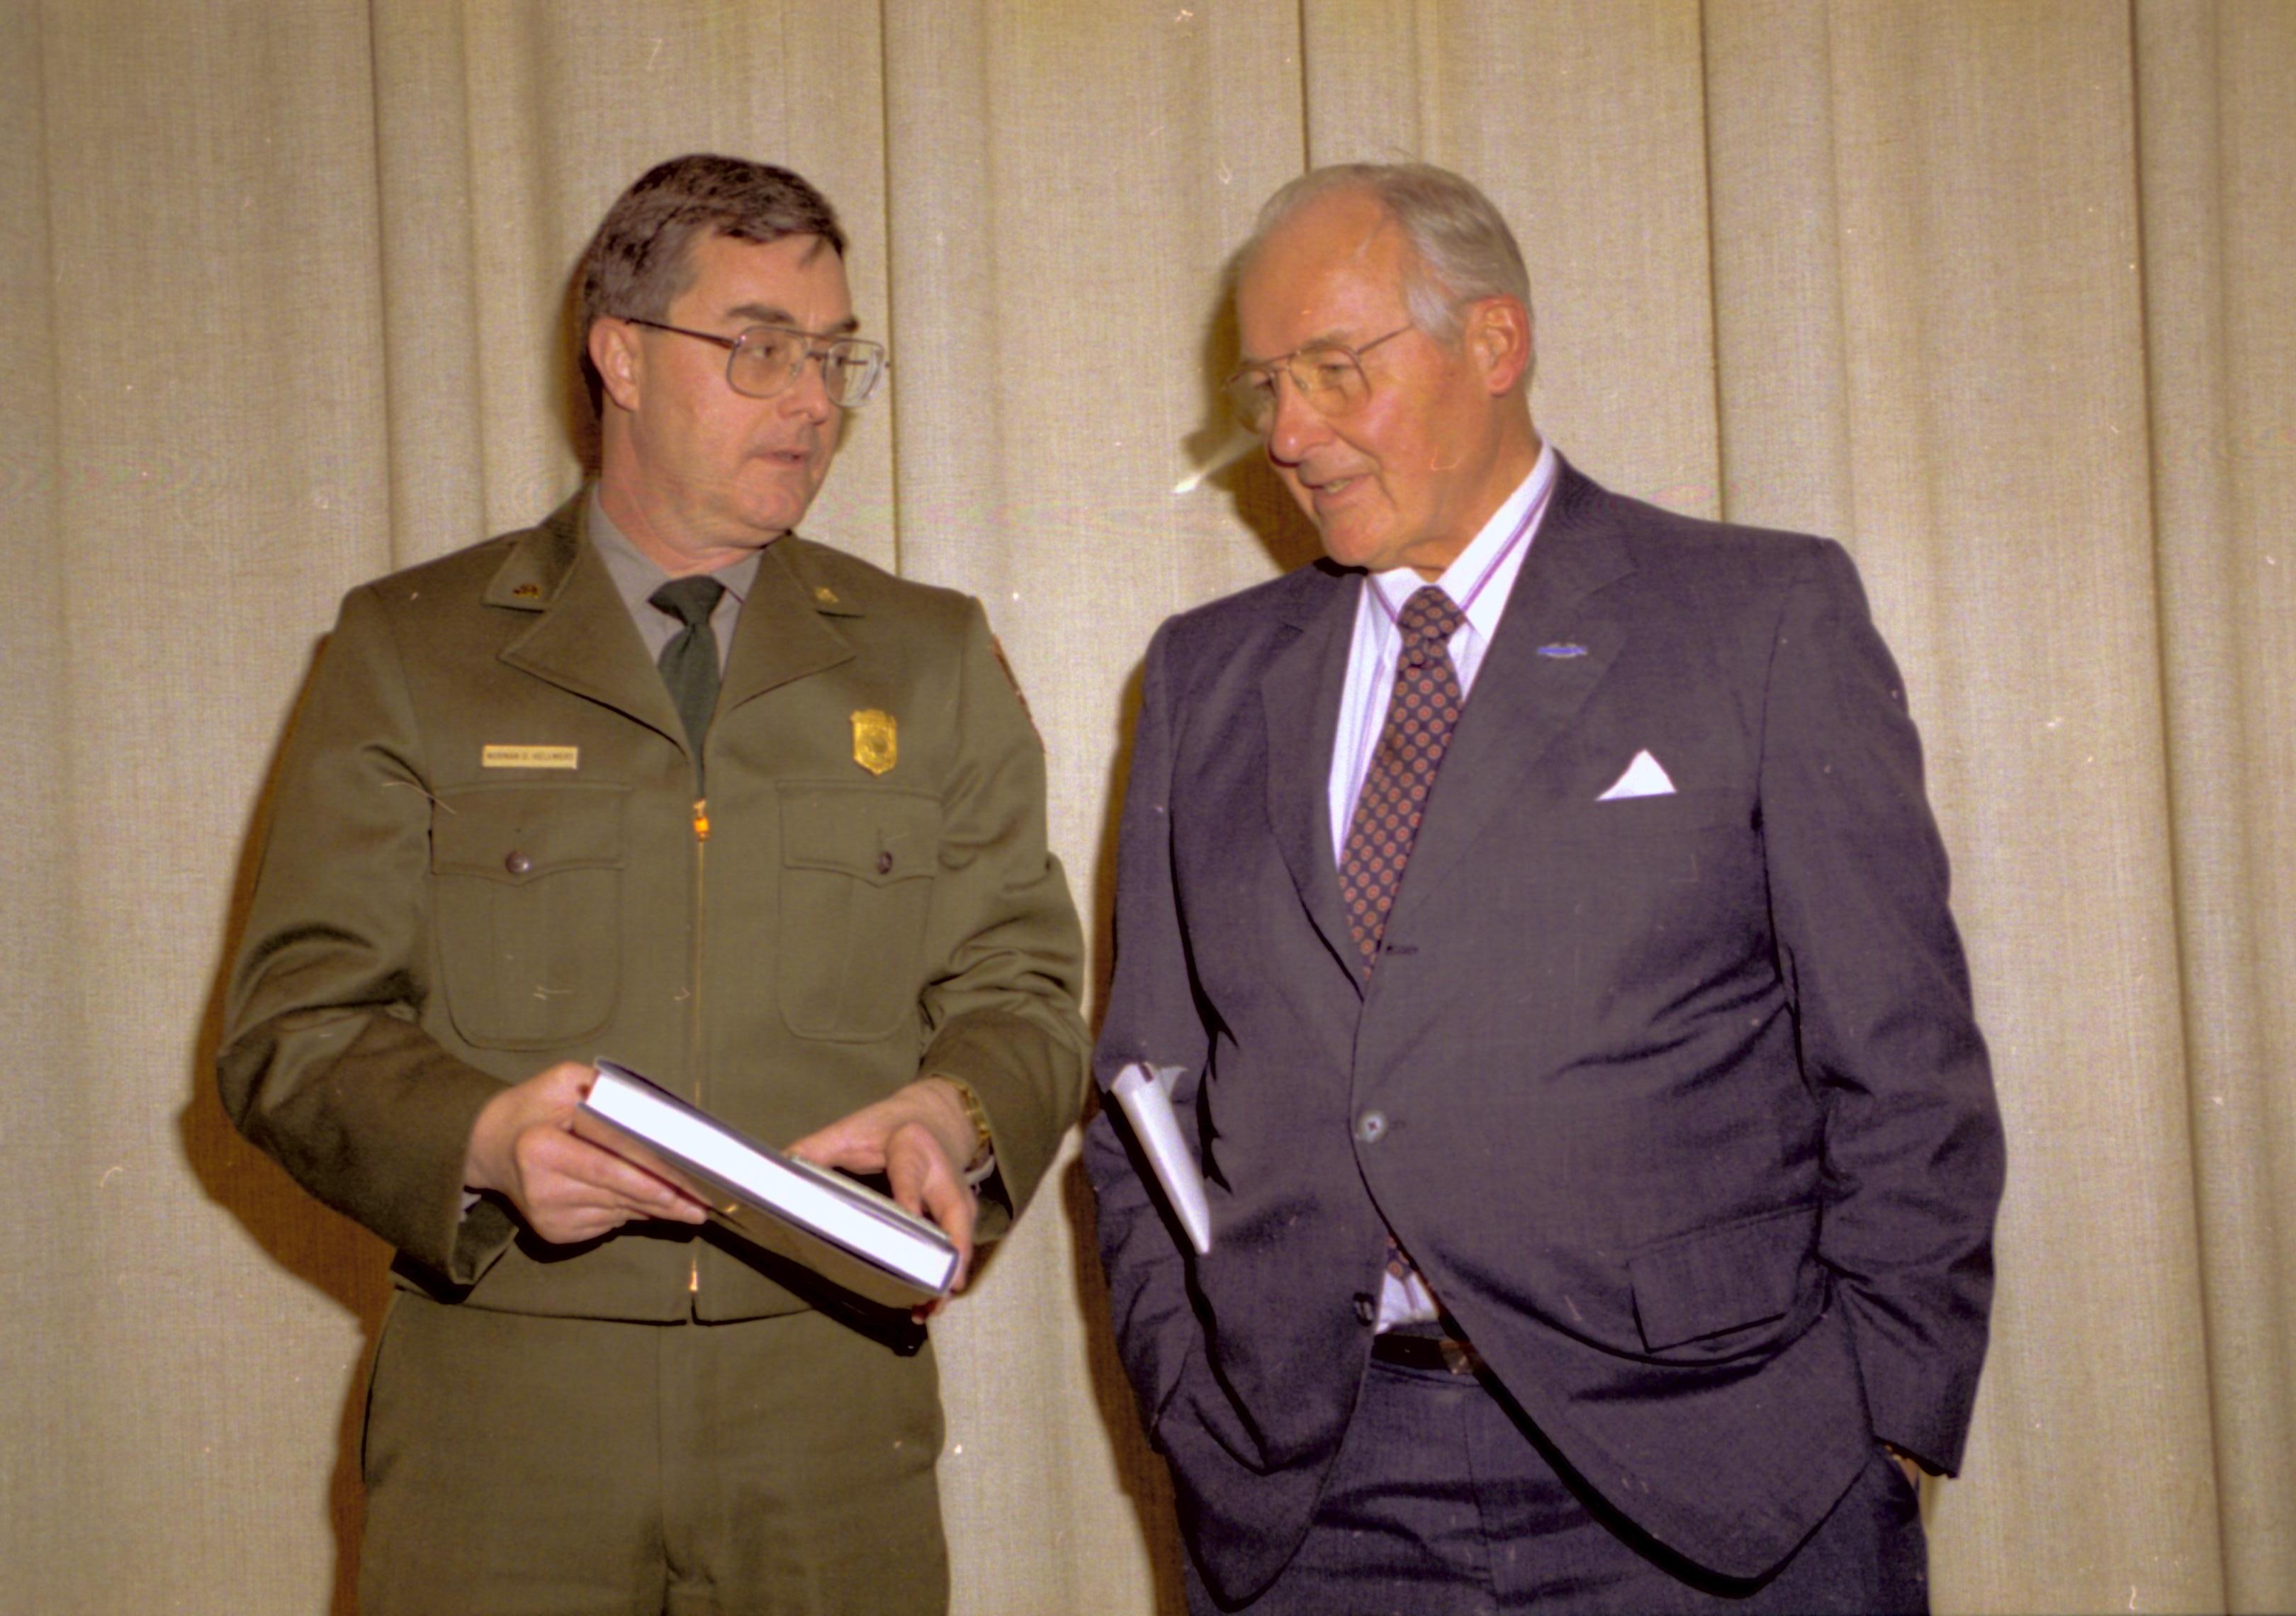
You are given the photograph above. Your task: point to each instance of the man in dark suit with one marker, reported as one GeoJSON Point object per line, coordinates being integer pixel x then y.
{"type": "Point", "coordinates": [1539, 901]}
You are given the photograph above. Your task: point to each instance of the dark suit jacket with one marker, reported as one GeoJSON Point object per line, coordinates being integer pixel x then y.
{"type": "Point", "coordinates": [1686, 1117]}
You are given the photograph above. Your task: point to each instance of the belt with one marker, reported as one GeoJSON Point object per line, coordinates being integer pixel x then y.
{"type": "Point", "coordinates": [1442, 1353]}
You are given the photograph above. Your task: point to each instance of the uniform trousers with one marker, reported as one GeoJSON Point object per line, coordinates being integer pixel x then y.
{"type": "Point", "coordinates": [1442, 1503]}
{"type": "Point", "coordinates": [567, 1468]}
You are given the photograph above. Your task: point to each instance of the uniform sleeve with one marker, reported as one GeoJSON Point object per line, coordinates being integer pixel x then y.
{"type": "Point", "coordinates": [323, 1062]}
{"type": "Point", "coordinates": [1151, 1018]}
{"type": "Point", "coordinates": [1888, 1037]}
{"type": "Point", "coordinates": [1002, 1006]}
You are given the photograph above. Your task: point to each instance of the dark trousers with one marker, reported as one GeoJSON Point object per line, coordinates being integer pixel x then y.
{"type": "Point", "coordinates": [1441, 1504]}
{"type": "Point", "coordinates": [524, 1466]}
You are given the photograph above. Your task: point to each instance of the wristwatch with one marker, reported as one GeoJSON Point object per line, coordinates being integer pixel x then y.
{"type": "Point", "coordinates": [984, 1144]}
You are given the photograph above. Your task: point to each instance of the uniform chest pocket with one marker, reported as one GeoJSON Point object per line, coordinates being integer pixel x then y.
{"type": "Point", "coordinates": [857, 865]}
{"type": "Point", "coordinates": [526, 881]}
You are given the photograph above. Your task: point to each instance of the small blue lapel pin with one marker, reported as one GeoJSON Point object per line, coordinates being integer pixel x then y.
{"type": "Point", "coordinates": [1562, 651]}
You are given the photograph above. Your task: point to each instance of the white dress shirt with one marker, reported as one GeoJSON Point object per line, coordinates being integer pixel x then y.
{"type": "Point", "coordinates": [1478, 582]}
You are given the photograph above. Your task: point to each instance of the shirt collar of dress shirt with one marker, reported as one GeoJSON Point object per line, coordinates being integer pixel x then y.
{"type": "Point", "coordinates": [1480, 577]}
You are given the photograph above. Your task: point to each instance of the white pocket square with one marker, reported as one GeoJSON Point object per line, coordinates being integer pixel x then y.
{"type": "Point", "coordinates": [1644, 778]}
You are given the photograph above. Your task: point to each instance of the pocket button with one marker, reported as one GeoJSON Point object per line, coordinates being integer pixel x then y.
{"type": "Point", "coordinates": [518, 862]}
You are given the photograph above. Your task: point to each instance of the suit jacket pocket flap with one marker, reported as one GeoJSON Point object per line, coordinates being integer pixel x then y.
{"type": "Point", "coordinates": [1690, 1286]}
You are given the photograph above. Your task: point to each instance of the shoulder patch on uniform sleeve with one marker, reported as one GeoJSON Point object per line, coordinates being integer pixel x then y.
{"type": "Point", "coordinates": [1020, 695]}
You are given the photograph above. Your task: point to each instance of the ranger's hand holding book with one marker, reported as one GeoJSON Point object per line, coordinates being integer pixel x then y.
{"type": "Point", "coordinates": [930, 1140]}
{"type": "Point", "coordinates": [580, 1151]}
{"type": "Point", "coordinates": [523, 1147]}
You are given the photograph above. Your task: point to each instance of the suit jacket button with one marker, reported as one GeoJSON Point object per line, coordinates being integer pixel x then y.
{"type": "Point", "coordinates": [1366, 1309]}
{"type": "Point", "coordinates": [517, 864]}
{"type": "Point", "coordinates": [1371, 1126]}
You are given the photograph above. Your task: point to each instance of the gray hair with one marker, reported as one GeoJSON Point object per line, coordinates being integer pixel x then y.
{"type": "Point", "coordinates": [639, 262]}
{"type": "Point", "coordinates": [1464, 249]}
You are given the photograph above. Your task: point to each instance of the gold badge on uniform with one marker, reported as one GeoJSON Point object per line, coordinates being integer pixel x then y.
{"type": "Point", "coordinates": [875, 744]}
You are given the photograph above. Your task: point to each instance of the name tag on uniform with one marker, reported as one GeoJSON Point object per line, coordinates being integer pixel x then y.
{"type": "Point", "coordinates": [531, 757]}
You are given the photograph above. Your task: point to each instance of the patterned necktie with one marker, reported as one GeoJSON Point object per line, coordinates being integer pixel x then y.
{"type": "Point", "coordinates": [689, 662]}
{"type": "Point", "coordinates": [1420, 718]}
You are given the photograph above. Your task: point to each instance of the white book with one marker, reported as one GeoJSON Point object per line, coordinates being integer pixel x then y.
{"type": "Point", "coordinates": [1146, 1094]}
{"type": "Point", "coordinates": [841, 1229]}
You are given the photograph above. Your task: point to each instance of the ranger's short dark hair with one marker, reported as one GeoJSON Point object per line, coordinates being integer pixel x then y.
{"type": "Point", "coordinates": [639, 261]}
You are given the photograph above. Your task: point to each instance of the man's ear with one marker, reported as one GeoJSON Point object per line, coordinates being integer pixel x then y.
{"type": "Point", "coordinates": [1498, 338]}
{"type": "Point", "coordinates": [614, 354]}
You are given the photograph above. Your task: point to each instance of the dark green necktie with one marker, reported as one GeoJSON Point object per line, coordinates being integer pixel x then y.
{"type": "Point", "coordinates": [689, 662]}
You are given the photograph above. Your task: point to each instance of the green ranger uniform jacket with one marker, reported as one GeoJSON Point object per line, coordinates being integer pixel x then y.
{"type": "Point", "coordinates": [490, 850]}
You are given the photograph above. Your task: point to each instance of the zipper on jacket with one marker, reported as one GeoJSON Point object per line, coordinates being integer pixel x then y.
{"type": "Point", "coordinates": [693, 999]}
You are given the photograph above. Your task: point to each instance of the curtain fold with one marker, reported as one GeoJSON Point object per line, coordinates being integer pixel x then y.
{"type": "Point", "coordinates": [44, 1121]}
{"type": "Point", "coordinates": [2215, 182]}
{"type": "Point", "coordinates": [1996, 292]}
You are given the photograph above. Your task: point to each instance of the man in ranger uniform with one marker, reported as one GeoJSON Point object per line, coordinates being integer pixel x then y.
{"type": "Point", "coordinates": [659, 780]}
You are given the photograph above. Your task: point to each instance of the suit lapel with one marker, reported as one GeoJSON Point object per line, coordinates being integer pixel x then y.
{"type": "Point", "coordinates": [1553, 647]}
{"type": "Point", "coordinates": [1299, 697]}
{"type": "Point", "coordinates": [582, 638]}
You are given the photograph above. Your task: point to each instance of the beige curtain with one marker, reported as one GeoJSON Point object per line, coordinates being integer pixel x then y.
{"type": "Point", "coordinates": [1998, 290]}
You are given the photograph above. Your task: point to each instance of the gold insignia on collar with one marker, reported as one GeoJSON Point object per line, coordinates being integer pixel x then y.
{"type": "Point", "coordinates": [527, 592]}
{"type": "Point", "coordinates": [826, 595]}
{"type": "Point", "coordinates": [875, 740]}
